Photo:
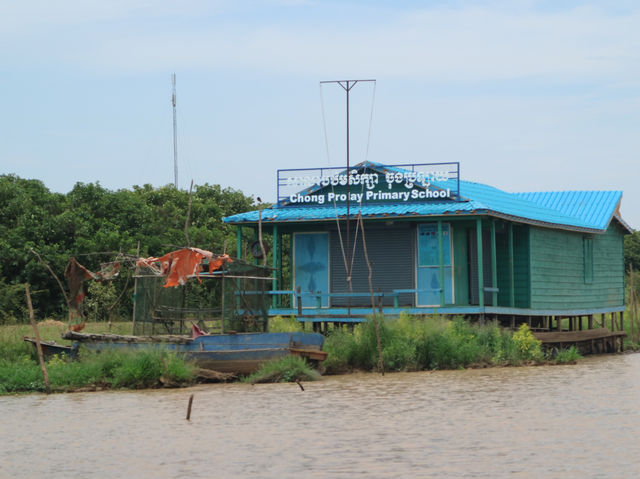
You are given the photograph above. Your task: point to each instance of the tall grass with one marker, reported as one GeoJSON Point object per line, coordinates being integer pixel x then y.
{"type": "Point", "coordinates": [20, 371]}
{"type": "Point", "coordinates": [108, 369]}
{"type": "Point", "coordinates": [410, 344]}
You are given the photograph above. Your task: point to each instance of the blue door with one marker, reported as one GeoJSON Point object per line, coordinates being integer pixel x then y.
{"type": "Point", "coordinates": [311, 266]}
{"type": "Point", "coordinates": [428, 267]}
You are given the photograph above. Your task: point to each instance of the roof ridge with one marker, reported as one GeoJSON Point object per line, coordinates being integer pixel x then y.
{"type": "Point", "coordinates": [565, 191]}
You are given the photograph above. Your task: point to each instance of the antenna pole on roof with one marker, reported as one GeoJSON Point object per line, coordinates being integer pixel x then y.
{"type": "Point", "coordinates": [175, 132]}
{"type": "Point", "coordinates": [347, 85]}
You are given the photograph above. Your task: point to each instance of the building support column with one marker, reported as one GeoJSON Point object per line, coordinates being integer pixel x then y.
{"type": "Point", "coordinates": [480, 265]}
{"type": "Point", "coordinates": [494, 265]}
{"type": "Point", "coordinates": [255, 237]}
{"type": "Point", "coordinates": [512, 273]}
{"type": "Point", "coordinates": [621, 313]}
{"type": "Point", "coordinates": [239, 242]}
{"type": "Point", "coordinates": [276, 270]}
{"type": "Point", "coordinates": [441, 262]}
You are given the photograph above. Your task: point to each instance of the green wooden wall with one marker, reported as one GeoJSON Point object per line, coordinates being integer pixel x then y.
{"type": "Point", "coordinates": [558, 277]}
{"type": "Point", "coordinates": [503, 266]}
{"type": "Point", "coordinates": [522, 265]}
{"type": "Point", "coordinates": [461, 262]}
{"type": "Point", "coordinates": [549, 264]}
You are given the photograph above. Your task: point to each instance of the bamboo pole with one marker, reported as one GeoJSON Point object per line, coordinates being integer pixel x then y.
{"type": "Point", "coordinates": [189, 408]}
{"type": "Point", "coordinates": [224, 251]}
{"type": "Point", "coordinates": [264, 253]}
{"type": "Point", "coordinates": [135, 291]}
{"type": "Point", "coordinates": [38, 345]}
{"type": "Point", "coordinates": [373, 305]}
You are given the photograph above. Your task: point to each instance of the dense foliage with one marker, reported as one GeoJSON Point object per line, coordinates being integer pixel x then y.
{"type": "Point", "coordinates": [91, 219]}
{"type": "Point", "coordinates": [632, 251]}
{"type": "Point", "coordinates": [413, 344]}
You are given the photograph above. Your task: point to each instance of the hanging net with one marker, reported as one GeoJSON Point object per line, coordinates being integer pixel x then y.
{"type": "Point", "coordinates": [190, 287]}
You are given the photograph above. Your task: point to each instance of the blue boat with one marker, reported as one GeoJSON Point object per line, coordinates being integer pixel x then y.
{"type": "Point", "coordinates": [239, 353]}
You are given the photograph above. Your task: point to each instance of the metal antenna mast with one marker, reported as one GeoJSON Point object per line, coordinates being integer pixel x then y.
{"type": "Point", "coordinates": [347, 85]}
{"type": "Point", "coordinates": [175, 132]}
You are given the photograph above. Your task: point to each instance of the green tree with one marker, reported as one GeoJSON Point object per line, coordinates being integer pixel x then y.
{"type": "Point", "coordinates": [632, 251]}
{"type": "Point", "coordinates": [91, 219]}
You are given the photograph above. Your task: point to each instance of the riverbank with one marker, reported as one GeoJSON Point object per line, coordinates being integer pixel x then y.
{"type": "Point", "coordinates": [515, 422]}
{"type": "Point", "coordinates": [407, 343]}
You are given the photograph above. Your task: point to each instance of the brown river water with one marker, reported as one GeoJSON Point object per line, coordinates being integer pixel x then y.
{"type": "Point", "coordinates": [580, 421]}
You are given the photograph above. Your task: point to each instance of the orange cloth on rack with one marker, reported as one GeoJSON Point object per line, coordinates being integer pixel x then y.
{"type": "Point", "coordinates": [216, 264]}
{"type": "Point", "coordinates": [180, 265]}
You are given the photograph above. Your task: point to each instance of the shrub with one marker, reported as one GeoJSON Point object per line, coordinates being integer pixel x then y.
{"type": "Point", "coordinates": [21, 374]}
{"type": "Point", "coordinates": [410, 343]}
{"type": "Point", "coordinates": [567, 356]}
{"type": "Point", "coordinates": [283, 370]}
{"type": "Point", "coordinates": [340, 346]}
{"type": "Point", "coordinates": [527, 344]}
{"type": "Point", "coordinates": [289, 324]}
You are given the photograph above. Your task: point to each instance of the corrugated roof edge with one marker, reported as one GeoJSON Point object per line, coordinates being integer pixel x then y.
{"type": "Point", "coordinates": [478, 212]}
{"type": "Point", "coordinates": [613, 212]}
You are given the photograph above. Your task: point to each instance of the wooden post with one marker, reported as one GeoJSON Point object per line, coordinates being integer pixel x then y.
{"type": "Point", "coordinates": [441, 263]}
{"type": "Point", "coordinates": [591, 321]}
{"type": "Point", "coordinates": [494, 265]}
{"type": "Point", "coordinates": [580, 323]}
{"type": "Point", "coordinates": [480, 266]}
{"type": "Point", "coordinates": [189, 408]}
{"type": "Point", "coordinates": [239, 242]}
{"type": "Point", "coordinates": [621, 320]}
{"type": "Point", "coordinates": [38, 345]}
{"type": "Point", "coordinates": [135, 291]}
{"type": "Point", "coordinates": [276, 269]}
{"type": "Point", "coordinates": [559, 323]}
{"type": "Point", "coordinates": [613, 321]}
{"type": "Point", "coordinates": [222, 305]}
{"type": "Point", "coordinates": [512, 282]}
{"type": "Point", "coordinates": [299, 300]}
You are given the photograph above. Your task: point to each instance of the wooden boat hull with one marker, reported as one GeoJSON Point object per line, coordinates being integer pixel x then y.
{"type": "Point", "coordinates": [51, 348]}
{"type": "Point", "coordinates": [240, 353]}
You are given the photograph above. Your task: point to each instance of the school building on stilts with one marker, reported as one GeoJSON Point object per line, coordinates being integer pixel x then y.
{"type": "Point", "coordinates": [418, 238]}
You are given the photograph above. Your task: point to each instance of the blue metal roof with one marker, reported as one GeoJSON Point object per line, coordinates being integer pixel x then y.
{"type": "Point", "coordinates": [574, 210]}
{"type": "Point", "coordinates": [593, 207]}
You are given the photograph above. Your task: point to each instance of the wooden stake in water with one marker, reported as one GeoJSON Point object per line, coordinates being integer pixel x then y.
{"type": "Point", "coordinates": [38, 346]}
{"type": "Point", "coordinates": [189, 408]}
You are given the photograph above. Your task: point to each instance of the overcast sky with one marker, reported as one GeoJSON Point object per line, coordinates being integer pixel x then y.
{"type": "Point", "coordinates": [527, 95]}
